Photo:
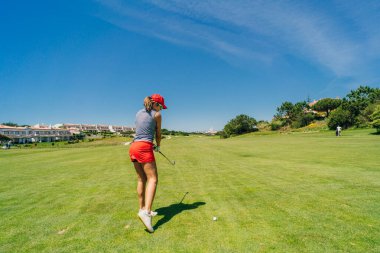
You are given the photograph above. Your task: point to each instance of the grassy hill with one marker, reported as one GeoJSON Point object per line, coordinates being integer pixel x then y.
{"type": "Point", "coordinates": [293, 192]}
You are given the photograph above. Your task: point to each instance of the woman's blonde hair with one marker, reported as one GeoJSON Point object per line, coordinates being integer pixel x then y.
{"type": "Point", "coordinates": [148, 103]}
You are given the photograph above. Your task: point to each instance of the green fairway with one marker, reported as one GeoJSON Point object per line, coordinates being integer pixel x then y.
{"type": "Point", "coordinates": [295, 192]}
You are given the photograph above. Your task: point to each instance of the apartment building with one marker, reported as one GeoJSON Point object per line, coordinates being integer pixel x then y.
{"type": "Point", "coordinates": [59, 132]}
{"type": "Point", "coordinates": [119, 129]}
{"type": "Point", "coordinates": [96, 128]}
{"type": "Point", "coordinates": [35, 134]}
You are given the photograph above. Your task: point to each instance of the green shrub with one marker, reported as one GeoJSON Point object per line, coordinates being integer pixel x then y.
{"type": "Point", "coordinates": [240, 124]}
{"type": "Point", "coordinates": [375, 117]}
{"type": "Point", "coordinates": [340, 117]}
{"type": "Point", "coordinates": [296, 124]}
{"type": "Point", "coordinates": [275, 125]}
{"type": "Point", "coordinates": [302, 120]}
{"type": "Point", "coordinates": [223, 135]}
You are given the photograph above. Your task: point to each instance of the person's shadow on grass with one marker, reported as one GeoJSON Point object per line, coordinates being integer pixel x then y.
{"type": "Point", "coordinates": [170, 211]}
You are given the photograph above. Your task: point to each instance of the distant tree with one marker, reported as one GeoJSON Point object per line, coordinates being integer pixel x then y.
{"type": "Point", "coordinates": [275, 124]}
{"type": "Point", "coordinates": [340, 117]}
{"type": "Point", "coordinates": [327, 105]}
{"type": "Point", "coordinates": [173, 132]}
{"type": "Point", "coordinates": [303, 119]}
{"type": "Point", "coordinates": [364, 119]}
{"type": "Point", "coordinates": [357, 100]}
{"type": "Point", "coordinates": [10, 124]}
{"type": "Point", "coordinates": [222, 134]}
{"type": "Point", "coordinates": [290, 110]}
{"type": "Point", "coordinates": [285, 111]}
{"type": "Point", "coordinates": [165, 131]}
{"type": "Point", "coordinates": [364, 95]}
{"type": "Point", "coordinates": [263, 125]}
{"type": "Point", "coordinates": [307, 118]}
{"type": "Point", "coordinates": [300, 107]}
{"type": "Point", "coordinates": [375, 117]}
{"type": "Point", "coordinates": [240, 124]}
{"type": "Point", "coordinates": [291, 114]}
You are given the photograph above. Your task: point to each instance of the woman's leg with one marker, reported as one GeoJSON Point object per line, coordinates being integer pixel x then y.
{"type": "Point", "coordinates": [141, 183]}
{"type": "Point", "coordinates": [150, 170]}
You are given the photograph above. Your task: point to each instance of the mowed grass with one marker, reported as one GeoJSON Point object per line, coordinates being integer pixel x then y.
{"type": "Point", "coordinates": [300, 192]}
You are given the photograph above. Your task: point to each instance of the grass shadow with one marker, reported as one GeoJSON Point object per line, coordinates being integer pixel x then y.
{"type": "Point", "coordinates": [170, 211]}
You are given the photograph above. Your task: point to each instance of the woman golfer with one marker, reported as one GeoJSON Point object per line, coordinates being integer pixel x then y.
{"type": "Point", "coordinates": [148, 126]}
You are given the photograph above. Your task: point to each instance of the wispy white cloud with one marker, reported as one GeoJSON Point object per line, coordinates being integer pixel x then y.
{"type": "Point", "coordinates": [183, 28]}
{"type": "Point", "coordinates": [261, 30]}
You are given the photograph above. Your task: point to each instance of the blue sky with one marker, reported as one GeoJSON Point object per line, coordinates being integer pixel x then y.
{"type": "Point", "coordinates": [95, 61]}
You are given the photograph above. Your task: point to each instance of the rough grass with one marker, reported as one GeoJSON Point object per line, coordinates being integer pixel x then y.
{"type": "Point", "coordinates": [296, 192]}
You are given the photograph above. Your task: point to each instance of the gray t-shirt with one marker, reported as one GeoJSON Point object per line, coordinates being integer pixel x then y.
{"type": "Point", "coordinates": [145, 125]}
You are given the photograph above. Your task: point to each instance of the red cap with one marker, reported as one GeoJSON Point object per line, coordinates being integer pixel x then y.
{"type": "Point", "coordinates": [159, 99]}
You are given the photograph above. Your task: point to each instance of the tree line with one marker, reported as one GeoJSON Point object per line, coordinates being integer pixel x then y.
{"type": "Point", "coordinates": [359, 108]}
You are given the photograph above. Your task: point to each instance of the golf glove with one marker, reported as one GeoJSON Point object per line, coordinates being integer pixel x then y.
{"type": "Point", "coordinates": [156, 148]}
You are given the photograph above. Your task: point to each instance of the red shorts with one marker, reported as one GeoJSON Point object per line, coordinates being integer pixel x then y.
{"type": "Point", "coordinates": [142, 152]}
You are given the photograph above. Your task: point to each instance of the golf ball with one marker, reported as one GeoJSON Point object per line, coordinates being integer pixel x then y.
{"type": "Point", "coordinates": [214, 218]}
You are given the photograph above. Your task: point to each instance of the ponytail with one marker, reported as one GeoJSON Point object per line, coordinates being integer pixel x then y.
{"type": "Point", "coordinates": [148, 103]}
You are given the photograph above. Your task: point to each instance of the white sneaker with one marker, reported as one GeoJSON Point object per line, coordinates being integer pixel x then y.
{"type": "Point", "coordinates": [152, 213]}
{"type": "Point", "coordinates": [146, 219]}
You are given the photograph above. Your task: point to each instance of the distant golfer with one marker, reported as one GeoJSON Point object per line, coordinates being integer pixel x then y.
{"type": "Point", "coordinates": [338, 130]}
{"type": "Point", "coordinates": [148, 127]}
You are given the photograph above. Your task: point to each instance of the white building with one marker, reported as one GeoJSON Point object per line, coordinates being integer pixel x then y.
{"type": "Point", "coordinates": [96, 128]}
{"type": "Point", "coordinates": [89, 127]}
{"type": "Point", "coordinates": [67, 126]}
{"type": "Point", "coordinates": [119, 129]}
{"type": "Point", "coordinates": [34, 134]}
{"type": "Point", "coordinates": [211, 131]}
{"type": "Point", "coordinates": [103, 128]}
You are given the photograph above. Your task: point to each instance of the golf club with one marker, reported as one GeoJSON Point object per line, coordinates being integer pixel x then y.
{"type": "Point", "coordinates": [183, 197]}
{"type": "Point", "coordinates": [171, 162]}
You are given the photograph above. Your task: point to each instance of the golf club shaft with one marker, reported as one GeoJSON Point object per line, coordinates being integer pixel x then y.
{"type": "Point", "coordinates": [183, 197]}
{"type": "Point", "coordinates": [166, 158]}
